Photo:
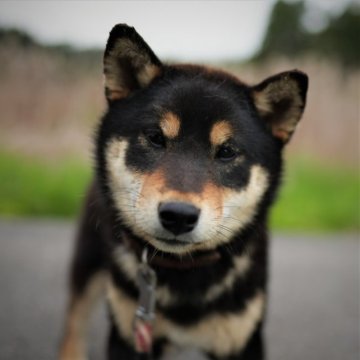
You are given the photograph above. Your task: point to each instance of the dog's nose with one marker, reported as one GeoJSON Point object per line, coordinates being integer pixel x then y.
{"type": "Point", "coordinates": [178, 217]}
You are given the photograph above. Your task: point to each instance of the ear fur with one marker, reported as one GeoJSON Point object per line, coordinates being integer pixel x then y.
{"type": "Point", "coordinates": [129, 63]}
{"type": "Point", "coordinates": [280, 101]}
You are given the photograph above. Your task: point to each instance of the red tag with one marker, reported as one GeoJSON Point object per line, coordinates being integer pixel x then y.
{"type": "Point", "coordinates": [143, 336]}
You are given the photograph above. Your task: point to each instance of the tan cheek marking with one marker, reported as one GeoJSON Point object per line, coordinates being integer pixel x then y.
{"type": "Point", "coordinates": [125, 184]}
{"type": "Point", "coordinates": [241, 206]}
{"type": "Point", "coordinates": [220, 132]}
{"type": "Point", "coordinates": [170, 125]}
{"type": "Point", "coordinates": [212, 196]}
{"type": "Point", "coordinates": [153, 186]}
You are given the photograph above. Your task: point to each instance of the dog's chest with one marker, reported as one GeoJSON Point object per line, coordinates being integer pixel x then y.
{"type": "Point", "coordinates": [220, 332]}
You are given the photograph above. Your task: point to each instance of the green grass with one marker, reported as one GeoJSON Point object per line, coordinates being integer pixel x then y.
{"type": "Point", "coordinates": [317, 197]}
{"type": "Point", "coordinates": [30, 187]}
{"type": "Point", "coordinates": [312, 198]}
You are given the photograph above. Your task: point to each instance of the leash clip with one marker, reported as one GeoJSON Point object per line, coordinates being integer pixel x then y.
{"type": "Point", "coordinates": [145, 312]}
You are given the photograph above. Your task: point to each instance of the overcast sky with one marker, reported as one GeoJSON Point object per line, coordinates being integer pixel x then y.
{"type": "Point", "coordinates": [185, 30]}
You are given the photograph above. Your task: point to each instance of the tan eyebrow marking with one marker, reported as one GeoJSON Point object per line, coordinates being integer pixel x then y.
{"type": "Point", "coordinates": [220, 132]}
{"type": "Point", "coordinates": [170, 125]}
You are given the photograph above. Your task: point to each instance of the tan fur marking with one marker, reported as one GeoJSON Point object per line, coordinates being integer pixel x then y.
{"type": "Point", "coordinates": [240, 206]}
{"type": "Point", "coordinates": [242, 265]}
{"type": "Point", "coordinates": [170, 125]}
{"type": "Point", "coordinates": [213, 195]}
{"type": "Point", "coordinates": [118, 94]}
{"type": "Point", "coordinates": [123, 308]}
{"type": "Point", "coordinates": [73, 346]}
{"type": "Point", "coordinates": [154, 186]}
{"type": "Point", "coordinates": [218, 333]}
{"type": "Point", "coordinates": [220, 132]}
{"type": "Point", "coordinates": [128, 263]}
{"type": "Point", "coordinates": [125, 184]}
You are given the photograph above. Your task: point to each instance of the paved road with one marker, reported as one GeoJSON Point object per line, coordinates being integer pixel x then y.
{"type": "Point", "coordinates": [313, 314]}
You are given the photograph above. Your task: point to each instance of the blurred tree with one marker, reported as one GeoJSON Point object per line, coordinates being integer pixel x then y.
{"type": "Point", "coordinates": [16, 37]}
{"type": "Point", "coordinates": [340, 39]}
{"type": "Point", "coordinates": [286, 34]}
{"type": "Point", "coordinates": [76, 60]}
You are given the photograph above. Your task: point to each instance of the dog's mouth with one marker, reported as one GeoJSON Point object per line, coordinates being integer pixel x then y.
{"type": "Point", "coordinates": [181, 244]}
{"type": "Point", "coordinates": [173, 241]}
{"type": "Point", "coordinates": [170, 244]}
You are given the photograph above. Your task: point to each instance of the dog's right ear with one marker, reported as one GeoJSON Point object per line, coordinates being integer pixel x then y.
{"type": "Point", "coordinates": [129, 63]}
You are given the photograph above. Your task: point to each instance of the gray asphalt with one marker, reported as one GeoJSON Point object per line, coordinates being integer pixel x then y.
{"type": "Point", "coordinates": [313, 310]}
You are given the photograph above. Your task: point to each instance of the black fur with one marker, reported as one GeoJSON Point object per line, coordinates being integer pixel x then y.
{"type": "Point", "coordinates": [199, 97]}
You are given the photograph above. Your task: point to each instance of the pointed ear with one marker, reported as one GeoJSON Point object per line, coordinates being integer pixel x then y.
{"type": "Point", "coordinates": [280, 101]}
{"type": "Point", "coordinates": [129, 63]}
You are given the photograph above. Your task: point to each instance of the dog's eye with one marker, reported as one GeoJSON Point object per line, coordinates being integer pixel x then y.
{"type": "Point", "coordinates": [225, 153]}
{"type": "Point", "coordinates": [155, 138]}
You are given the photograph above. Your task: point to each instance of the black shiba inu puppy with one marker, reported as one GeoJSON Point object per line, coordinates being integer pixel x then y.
{"type": "Point", "coordinates": [188, 160]}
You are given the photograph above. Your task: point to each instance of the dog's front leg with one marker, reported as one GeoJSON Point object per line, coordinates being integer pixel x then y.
{"type": "Point", "coordinates": [73, 346]}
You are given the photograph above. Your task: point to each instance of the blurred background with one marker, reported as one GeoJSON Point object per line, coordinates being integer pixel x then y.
{"type": "Point", "coordinates": [51, 99]}
{"type": "Point", "coordinates": [51, 93]}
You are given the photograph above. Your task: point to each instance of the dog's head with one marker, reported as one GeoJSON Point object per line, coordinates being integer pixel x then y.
{"type": "Point", "coordinates": [190, 156]}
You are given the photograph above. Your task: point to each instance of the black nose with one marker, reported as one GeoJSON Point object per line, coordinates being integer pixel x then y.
{"type": "Point", "coordinates": [178, 217]}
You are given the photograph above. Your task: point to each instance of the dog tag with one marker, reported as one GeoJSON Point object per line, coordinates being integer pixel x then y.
{"type": "Point", "coordinates": [145, 313]}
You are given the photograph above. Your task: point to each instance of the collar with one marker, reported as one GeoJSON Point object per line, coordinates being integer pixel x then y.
{"type": "Point", "coordinates": [172, 261]}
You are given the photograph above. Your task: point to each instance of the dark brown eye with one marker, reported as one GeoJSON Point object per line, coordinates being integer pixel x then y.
{"type": "Point", "coordinates": [225, 153]}
{"type": "Point", "coordinates": [155, 138]}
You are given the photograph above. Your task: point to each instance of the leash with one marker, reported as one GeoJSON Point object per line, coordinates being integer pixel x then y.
{"type": "Point", "coordinates": [143, 324]}
{"type": "Point", "coordinates": [145, 312]}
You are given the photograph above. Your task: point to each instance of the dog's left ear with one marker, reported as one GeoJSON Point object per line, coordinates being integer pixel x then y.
{"type": "Point", "coordinates": [280, 101]}
{"type": "Point", "coordinates": [129, 63]}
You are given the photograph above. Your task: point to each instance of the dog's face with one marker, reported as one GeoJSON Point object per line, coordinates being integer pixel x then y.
{"type": "Point", "coordinates": [190, 156]}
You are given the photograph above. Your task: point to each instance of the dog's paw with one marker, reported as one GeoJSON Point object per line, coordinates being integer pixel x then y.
{"type": "Point", "coordinates": [72, 350]}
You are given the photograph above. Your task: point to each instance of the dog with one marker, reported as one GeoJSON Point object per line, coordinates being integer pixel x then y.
{"type": "Point", "coordinates": [188, 162]}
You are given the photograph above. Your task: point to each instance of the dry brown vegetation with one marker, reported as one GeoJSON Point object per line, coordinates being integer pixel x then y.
{"type": "Point", "coordinates": [49, 107]}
